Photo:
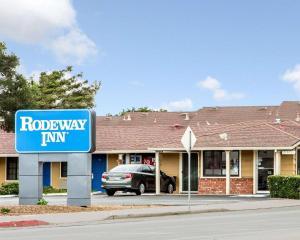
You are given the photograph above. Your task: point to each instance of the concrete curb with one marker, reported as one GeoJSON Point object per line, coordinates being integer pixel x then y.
{"type": "Point", "coordinates": [143, 215]}
{"type": "Point", "coordinates": [8, 196]}
{"type": "Point", "coordinates": [216, 210]}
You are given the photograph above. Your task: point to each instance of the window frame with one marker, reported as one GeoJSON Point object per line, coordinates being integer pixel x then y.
{"type": "Point", "coordinates": [6, 170]}
{"type": "Point", "coordinates": [60, 170]}
{"type": "Point", "coordinates": [136, 156]}
{"type": "Point", "coordinates": [221, 176]}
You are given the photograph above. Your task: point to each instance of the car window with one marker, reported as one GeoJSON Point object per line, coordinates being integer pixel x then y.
{"type": "Point", "coordinates": [146, 169]}
{"type": "Point", "coordinates": [126, 168]}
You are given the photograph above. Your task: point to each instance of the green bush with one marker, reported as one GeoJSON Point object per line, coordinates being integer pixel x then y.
{"type": "Point", "coordinates": [284, 187]}
{"type": "Point", "coordinates": [42, 201]}
{"type": "Point", "coordinates": [50, 189]}
{"type": "Point", "coordinates": [9, 188]}
{"type": "Point", "coordinates": [5, 210]}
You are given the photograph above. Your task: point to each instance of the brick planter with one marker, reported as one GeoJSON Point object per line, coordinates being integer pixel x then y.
{"type": "Point", "coordinates": [218, 186]}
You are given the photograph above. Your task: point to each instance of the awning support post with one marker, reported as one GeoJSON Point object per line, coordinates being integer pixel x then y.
{"type": "Point", "coordinates": [157, 174]}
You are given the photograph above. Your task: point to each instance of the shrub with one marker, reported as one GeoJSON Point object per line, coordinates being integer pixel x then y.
{"type": "Point", "coordinates": [9, 188]}
{"type": "Point", "coordinates": [5, 210]}
{"type": "Point", "coordinates": [284, 186]}
{"type": "Point", "coordinates": [42, 201]}
{"type": "Point", "coordinates": [50, 189]}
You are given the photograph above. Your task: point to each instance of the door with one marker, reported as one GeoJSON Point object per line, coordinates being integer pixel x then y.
{"type": "Point", "coordinates": [46, 174]}
{"type": "Point", "coordinates": [194, 172]}
{"type": "Point", "coordinates": [265, 168]}
{"type": "Point", "coordinates": [98, 168]}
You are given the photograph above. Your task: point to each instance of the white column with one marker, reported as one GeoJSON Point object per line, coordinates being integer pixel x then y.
{"type": "Point", "coordinates": [227, 172]}
{"type": "Point", "coordinates": [277, 167]}
{"type": "Point", "coordinates": [255, 172]}
{"type": "Point", "coordinates": [180, 173]}
{"type": "Point", "coordinates": [157, 174]}
{"type": "Point", "coordinates": [127, 158]}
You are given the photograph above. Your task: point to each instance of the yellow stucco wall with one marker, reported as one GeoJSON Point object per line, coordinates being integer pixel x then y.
{"type": "Point", "coordinates": [288, 167]}
{"type": "Point", "coordinates": [169, 163]}
{"type": "Point", "coordinates": [55, 174]}
{"type": "Point", "coordinates": [2, 170]}
{"type": "Point", "coordinates": [56, 180]}
{"type": "Point", "coordinates": [112, 161]}
{"type": "Point", "coordinates": [247, 163]}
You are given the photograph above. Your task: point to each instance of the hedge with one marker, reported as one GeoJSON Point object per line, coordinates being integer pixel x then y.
{"type": "Point", "coordinates": [284, 186]}
{"type": "Point", "coordinates": [13, 189]}
{"type": "Point", "coordinates": [9, 189]}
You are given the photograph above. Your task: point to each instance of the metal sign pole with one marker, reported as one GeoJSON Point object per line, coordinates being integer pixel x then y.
{"type": "Point", "coordinates": [188, 141]}
{"type": "Point", "coordinates": [189, 170]}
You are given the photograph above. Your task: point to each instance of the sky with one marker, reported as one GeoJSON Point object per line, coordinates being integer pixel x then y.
{"type": "Point", "coordinates": [172, 54]}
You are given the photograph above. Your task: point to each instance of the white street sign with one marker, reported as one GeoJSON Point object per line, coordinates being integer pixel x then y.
{"type": "Point", "coordinates": [188, 143]}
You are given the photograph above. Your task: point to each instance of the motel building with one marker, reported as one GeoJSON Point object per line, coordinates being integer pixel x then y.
{"type": "Point", "coordinates": [237, 148]}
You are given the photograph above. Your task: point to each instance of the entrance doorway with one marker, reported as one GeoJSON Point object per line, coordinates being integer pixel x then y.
{"type": "Point", "coordinates": [194, 172]}
{"type": "Point", "coordinates": [265, 168]}
{"type": "Point", "coordinates": [98, 167]}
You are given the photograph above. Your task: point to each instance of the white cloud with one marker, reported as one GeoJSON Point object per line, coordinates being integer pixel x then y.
{"type": "Point", "coordinates": [180, 105]}
{"type": "Point", "coordinates": [293, 76]}
{"type": "Point", "coordinates": [218, 92]}
{"type": "Point", "coordinates": [64, 49]}
{"type": "Point", "coordinates": [47, 23]}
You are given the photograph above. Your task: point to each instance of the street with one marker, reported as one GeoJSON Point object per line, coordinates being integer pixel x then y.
{"type": "Point", "coordinates": [276, 223]}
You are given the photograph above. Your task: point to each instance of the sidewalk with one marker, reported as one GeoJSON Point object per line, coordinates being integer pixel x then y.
{"type": "Point", "coordinates": [82, 218]}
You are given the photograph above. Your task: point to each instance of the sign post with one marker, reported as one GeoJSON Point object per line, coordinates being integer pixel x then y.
{"type": "Point", "coordinates": [55, 136]}
{"type": "Point", "coordinates": [188, 141]}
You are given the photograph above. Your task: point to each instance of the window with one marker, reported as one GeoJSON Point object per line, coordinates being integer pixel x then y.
{"type": "Point", "coordinates": [63, 169]}
{"type": "Point", "coordinates": [12, 168]}
{"type": "Point", "coordinates": [214, 163]}
{"type": "Point", "coordinates": [135, 158]}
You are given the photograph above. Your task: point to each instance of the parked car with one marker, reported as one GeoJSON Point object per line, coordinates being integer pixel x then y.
{"type": "Point", "coordinates": [138, 178]}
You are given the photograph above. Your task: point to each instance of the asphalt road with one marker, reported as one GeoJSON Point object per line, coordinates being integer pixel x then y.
{"type": "Point", "coordinates": [147, 199]}
{"type": "Point", "coordinates": [280, 223]}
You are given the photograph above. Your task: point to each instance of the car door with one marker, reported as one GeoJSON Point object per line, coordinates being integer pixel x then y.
{"type": "Point", "coordinates": [148, 177]}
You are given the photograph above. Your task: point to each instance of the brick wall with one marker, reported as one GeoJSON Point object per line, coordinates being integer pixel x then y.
{"type": "Point", "coordinates": [218, 186]}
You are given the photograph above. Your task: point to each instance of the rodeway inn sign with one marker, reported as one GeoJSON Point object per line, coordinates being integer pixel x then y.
{"type": "Point", "coordinates": [40, 131]}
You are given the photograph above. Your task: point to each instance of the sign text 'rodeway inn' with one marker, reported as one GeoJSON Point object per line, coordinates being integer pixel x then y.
{"type": "Point", "coordinates": [53, 131]}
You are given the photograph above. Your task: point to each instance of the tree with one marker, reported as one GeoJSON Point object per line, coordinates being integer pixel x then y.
{"type": "Point", "coordinates": [15, 90]}
{"type": "Point", "coordinates": [62, 90]}
{"type": "Point", "coordinates": [140, 109]}
{"type": "Point", "coordinates": [53, 90]}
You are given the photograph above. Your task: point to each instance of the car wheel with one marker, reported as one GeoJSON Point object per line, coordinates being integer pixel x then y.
{"type": "Point", "coordinates": [141, 190]}
{"type": "Point", "coordinates": [170, 188]}
{"type": "Point", "coordinates": [110, 192]}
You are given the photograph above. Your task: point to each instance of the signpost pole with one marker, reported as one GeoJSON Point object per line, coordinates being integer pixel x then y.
{"type": "Point", "coordinates": [189, 170]}
{"type": "Point", "coordinates": [188, 141]}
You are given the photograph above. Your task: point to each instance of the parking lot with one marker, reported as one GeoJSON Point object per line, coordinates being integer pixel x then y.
{"type": "Point", "coordinates": [146, 199]}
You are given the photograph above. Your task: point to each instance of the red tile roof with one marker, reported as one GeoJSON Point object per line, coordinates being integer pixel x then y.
{"type": "Point", "coordinates": [241, 127]}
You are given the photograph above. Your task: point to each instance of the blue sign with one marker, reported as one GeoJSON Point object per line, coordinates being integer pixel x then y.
{"type": "Point", "coordinates": [39, 131]}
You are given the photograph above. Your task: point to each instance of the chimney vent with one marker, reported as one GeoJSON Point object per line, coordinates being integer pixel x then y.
{"type": "Point", "coordinates": [223, 136]}
{"type": "Point", "coordinates": [277, 120]}
{"type": "Point", "coordinates": [298, 117]}
{"type": "Point", "coordinates": [128, 118]}
{"type": "Point", "coordinates": [187, 117]}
